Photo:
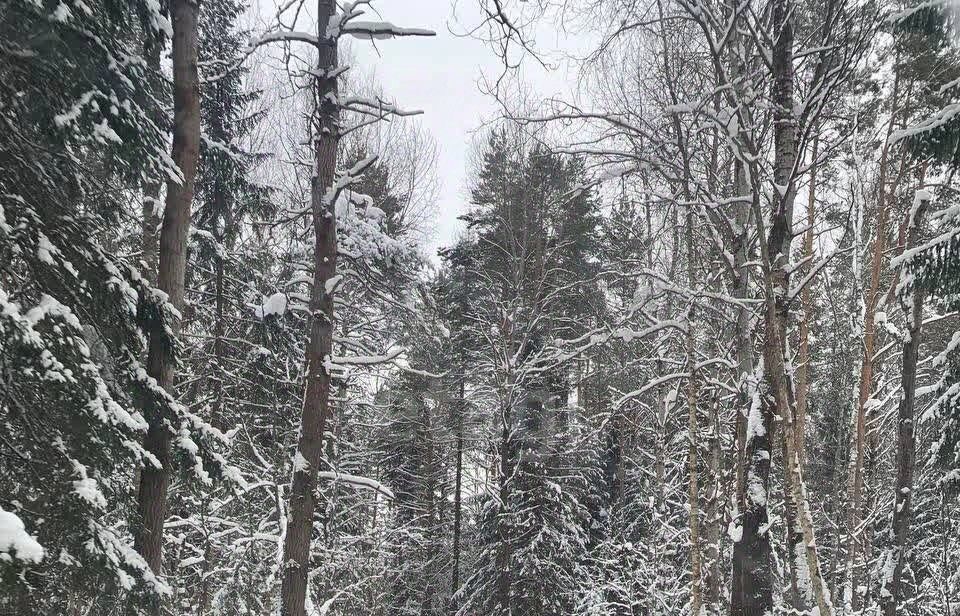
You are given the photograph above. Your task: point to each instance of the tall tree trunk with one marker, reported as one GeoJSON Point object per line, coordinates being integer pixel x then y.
{"type": "Point", "coordinates": [797, 598]}
{"type": "Point", "coordinates": [892, 594]}
{"type": "Point", "coordinates": [750, 580]}
{"type": "Point", "coordinates": [778, 315]}
{"type": "Point", "coordinates": [154, 482]}
{"type": "Point", "coordinates": [429, 473]}
{"type": "Point", "coordinates": [858, 433]}
{"type": "Point", "coordinates": [659, 470]}
{"type": "Point", "coordinates": [150, 220]}
{"type": "Point", "coordinates": [316, 410]}
{"type": "Point", "coordinates": [211, 553]}
{"type": "Point", "coordinates": [776, 267]}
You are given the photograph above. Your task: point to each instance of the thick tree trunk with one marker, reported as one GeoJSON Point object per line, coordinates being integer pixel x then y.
{"type": "Point", "coordinates": [892, 594]}
{"type": "Point", "coordinates": [752, 549]}
{"type": "Point", "coordinates": [776, 256]}
{"type": "Point", "coordinates": [751, 585]}
{"type": "Point", "coordinates": [316, 410]}
{"type": "Point", "coordinates": [154, 482]}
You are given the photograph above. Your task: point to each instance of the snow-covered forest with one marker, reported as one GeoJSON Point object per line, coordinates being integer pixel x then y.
{"type": "Point", "coordinates": [694, 347]}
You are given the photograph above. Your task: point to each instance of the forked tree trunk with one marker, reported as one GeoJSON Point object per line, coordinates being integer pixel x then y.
{"type": "Point", "coordinates": [892, 594]}
{"type": "Point", "coordinates": [154, 482]}
{"type": "Point", "coordinates": [316, 410]}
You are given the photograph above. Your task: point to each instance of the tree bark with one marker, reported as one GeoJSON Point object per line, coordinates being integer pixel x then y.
{"type": "Point", "coordinates": [796, 598]}
{"type": "Point", "coordinates": [429, 473]}
{"type": "Point", "coordinates": [778, 316]}
{"type": "Point", "coordinates": [504, 582]}
{"type": "Point", "coordinates": [751, 586]}
{"type": "Point", "coordinates": [316, 410]}
{"type": "Point", "coordinates": [892, 592]}
{"type": "Point", "coordinates": [154, 482]}
{"type": "Point", "coordinates": [775, 259]}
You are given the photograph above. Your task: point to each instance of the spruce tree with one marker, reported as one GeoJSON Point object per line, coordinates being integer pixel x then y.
{"type": "Point", "coordinates": [532, 232]}
{"type": "Point", "coordinates": [924, 35]}
{"type": "Point", "coordinates": [77, 135]}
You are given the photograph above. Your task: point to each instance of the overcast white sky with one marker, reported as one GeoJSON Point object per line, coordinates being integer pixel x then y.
{"type": "Point", "coordinates": [438, 75]}
{"type": "Point", "coordinates": [441, 76]}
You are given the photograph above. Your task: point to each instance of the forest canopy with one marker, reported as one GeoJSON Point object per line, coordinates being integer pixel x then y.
{"type": "Point", "coordinates": [693, 348]}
